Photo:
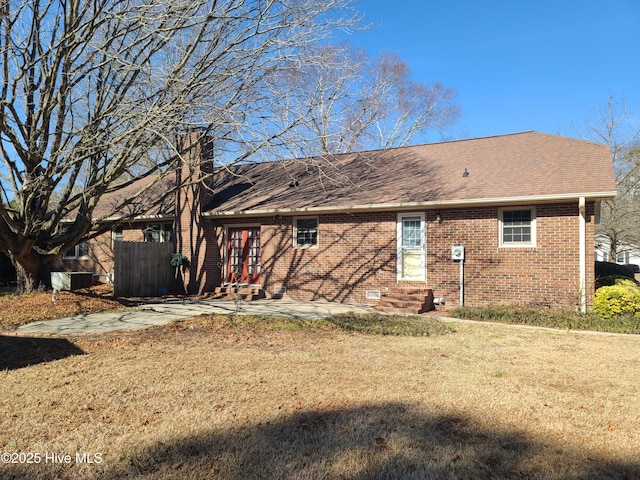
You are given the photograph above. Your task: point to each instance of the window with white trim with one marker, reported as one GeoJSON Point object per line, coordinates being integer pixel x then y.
{"type": "Point", "coordinates": [118, 234]}
{"type": "Point", "coordinates": [305, 232]}
{"type": "Point", "coordinates": [517, 227]}
{"type": "Point", "coordinates": [79, 251]}
{"type": "Point", "coordinates": [158, 232]}
{"type": "Point", "coordinates": [622, 257]}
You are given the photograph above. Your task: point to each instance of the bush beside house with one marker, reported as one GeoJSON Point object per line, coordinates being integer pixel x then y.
{"type": "Point", "coordinates": [621, 298]}
{"type": "Point", "coordinates": [605, 269]}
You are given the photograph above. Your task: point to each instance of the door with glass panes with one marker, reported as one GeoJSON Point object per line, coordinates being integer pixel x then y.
{"type": "Point", "coordinates": [411, 248]}
{"type": "Point", "coordinates": [243, 253]}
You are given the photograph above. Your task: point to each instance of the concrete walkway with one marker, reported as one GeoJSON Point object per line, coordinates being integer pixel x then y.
{"type": "Point", "coordinates": [145, 316]}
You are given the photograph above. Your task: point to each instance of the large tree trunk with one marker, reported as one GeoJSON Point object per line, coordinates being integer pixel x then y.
{"type": "Point", "coordinates": [613, 250]}
{"type": "Point", "coordinates": [33, 273]}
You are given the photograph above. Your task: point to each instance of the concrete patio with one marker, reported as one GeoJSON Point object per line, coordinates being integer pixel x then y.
{"type": "Point", "coordinates": [144, 316]}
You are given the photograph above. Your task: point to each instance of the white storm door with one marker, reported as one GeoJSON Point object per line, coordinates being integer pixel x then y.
{"type": "Point", "coordinates": [411, 247]}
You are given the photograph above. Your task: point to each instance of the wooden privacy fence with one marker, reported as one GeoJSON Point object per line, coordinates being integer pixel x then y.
{"type": "Point", "coordinates": [142, 268]}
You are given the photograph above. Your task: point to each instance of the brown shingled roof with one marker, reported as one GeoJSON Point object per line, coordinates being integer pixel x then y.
{"type": "Point", "coordinates": [146, 197]}
{"type": "Point", "coordinates": [529, 166]}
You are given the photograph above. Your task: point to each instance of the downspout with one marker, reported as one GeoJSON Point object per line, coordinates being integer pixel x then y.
{"type": "Point", "coordinates": [583, 255]}
{"type": "Point", "coordinates": [462, 283]}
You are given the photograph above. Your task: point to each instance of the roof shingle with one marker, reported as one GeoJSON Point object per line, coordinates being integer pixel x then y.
{"type": "Point", "coordinates": [517, 166]}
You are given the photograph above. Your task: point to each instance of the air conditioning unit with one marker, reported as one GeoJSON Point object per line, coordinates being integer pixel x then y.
{"type": "Point", "coordinates": [457, 252]}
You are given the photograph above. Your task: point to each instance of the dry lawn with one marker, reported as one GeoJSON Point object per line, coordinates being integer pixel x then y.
{"type": "Point", "coordinates": [16, 310]}
{"type": "Point", "coordinates": [238, 402]}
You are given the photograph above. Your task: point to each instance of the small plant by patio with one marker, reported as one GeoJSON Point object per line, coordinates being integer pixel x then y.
{"type": "Point", "coordinates": [178, 259]}
{"type": "Point", "coordinates": [621, 298]}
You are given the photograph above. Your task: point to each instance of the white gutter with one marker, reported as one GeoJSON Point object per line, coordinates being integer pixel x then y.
{"type": "Point", "coordinates": [138, 218]}
{"type": "Point", "coordinates": [381, 207]}
{"type": "Point", "coordinates": [583, 255]}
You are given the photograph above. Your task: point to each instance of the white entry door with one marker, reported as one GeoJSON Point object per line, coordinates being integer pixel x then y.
{"type": "Point", "coordinates": [411, 247]}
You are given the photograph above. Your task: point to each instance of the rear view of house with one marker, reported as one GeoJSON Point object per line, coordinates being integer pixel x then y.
{"type": "Point", "coordinates": [517, 211]}
{"type": "Point", "coordinates": [359, 226]}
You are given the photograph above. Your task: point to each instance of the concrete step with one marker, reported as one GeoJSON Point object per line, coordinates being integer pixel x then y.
{"type": "Point", "coordinates": [242, 292]}
{"type": "Point", "coordinates": [403, 303]}
{"type": "Point", "coordinates": [406, 300]}
{"type": "Point", "coordinates": [408, 291]}
{"type": "Point", "coordinates": [410, 297]}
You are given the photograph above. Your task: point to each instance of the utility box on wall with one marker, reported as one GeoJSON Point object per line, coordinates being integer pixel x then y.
{"type": "Point", "coordinates": [71, 280]}
{"type": "Point", "coordinates": [457, 252]}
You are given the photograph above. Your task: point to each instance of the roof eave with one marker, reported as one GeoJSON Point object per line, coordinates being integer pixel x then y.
{"type": "Point", "coordinates": [404, 206]}
{"type": "Point", "coordinates": [137, 218]}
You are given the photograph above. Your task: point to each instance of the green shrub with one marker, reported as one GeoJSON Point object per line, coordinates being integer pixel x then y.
{"type": "Point", "coordinates": [608, 280]}
{"type": "Point", "coordinates": [622, 298]}
{"type": "Point", "coordinates": [604, 269]}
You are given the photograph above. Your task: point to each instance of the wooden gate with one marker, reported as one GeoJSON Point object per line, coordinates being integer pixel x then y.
{"type": "Point", "coordinates": [142, 268]}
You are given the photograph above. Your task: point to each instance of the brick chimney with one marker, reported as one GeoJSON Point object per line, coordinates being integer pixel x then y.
{"type": "Point", "coordinates": [196, 150]}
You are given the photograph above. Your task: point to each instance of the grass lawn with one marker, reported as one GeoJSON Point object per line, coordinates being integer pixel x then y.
{"type": "Point", "coordinates": [254, 400]}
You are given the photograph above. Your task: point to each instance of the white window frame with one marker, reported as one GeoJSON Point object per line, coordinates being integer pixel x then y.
{"type": "Point", "coordinates": [117, 235]}
{"type": "Point", "coordinates": [295, 232]}
{"type": "Point", "coordinates": [164, 230]}
{"type": "Point", "coordinates": [622, 257]}
{"type": "Point", "coordinates": [73, 253]}
{"type": "Point", "coordinates": [529, 244]}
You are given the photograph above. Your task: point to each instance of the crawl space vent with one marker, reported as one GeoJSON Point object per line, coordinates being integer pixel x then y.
{"type": "Point", "coordinates": [373, 294]}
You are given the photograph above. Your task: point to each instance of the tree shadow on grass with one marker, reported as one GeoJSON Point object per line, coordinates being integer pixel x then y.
{"type": "Point", "coordinates": [20, 352]}
{"type": "Point", "coordinates": [387, 441]}
{"type": "Point", "coordinates": [101, 294]}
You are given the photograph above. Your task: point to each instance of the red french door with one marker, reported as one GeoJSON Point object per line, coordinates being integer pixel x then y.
{"type": "Point", "coordinates": [243, 247]}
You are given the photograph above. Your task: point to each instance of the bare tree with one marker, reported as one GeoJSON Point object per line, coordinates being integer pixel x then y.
{"type": "Point", "coordinates": [351, 102]}
{"type": "Point", "coordinates": [620, 217]}
{"type": "Point", "coordinates": [93, 93]}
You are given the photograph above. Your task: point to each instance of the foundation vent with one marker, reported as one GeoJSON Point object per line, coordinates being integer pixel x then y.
{"type": "Point", "coordinates": [373, 294]}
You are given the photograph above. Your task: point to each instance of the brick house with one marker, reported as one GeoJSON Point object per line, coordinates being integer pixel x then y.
{"type": "Point", "coordinates": [363, 226]}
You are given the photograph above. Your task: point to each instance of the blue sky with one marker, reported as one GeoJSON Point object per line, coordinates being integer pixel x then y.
{"type": "Point", "coordinates": [517, 65]}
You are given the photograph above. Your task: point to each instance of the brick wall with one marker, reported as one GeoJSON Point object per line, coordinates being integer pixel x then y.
{"type": "Point", "coordinates": [194, 238]}
{"type": "Point", "coordinates": [357, 252]}
{"type": "Point", "coordinates": [547, 274]}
